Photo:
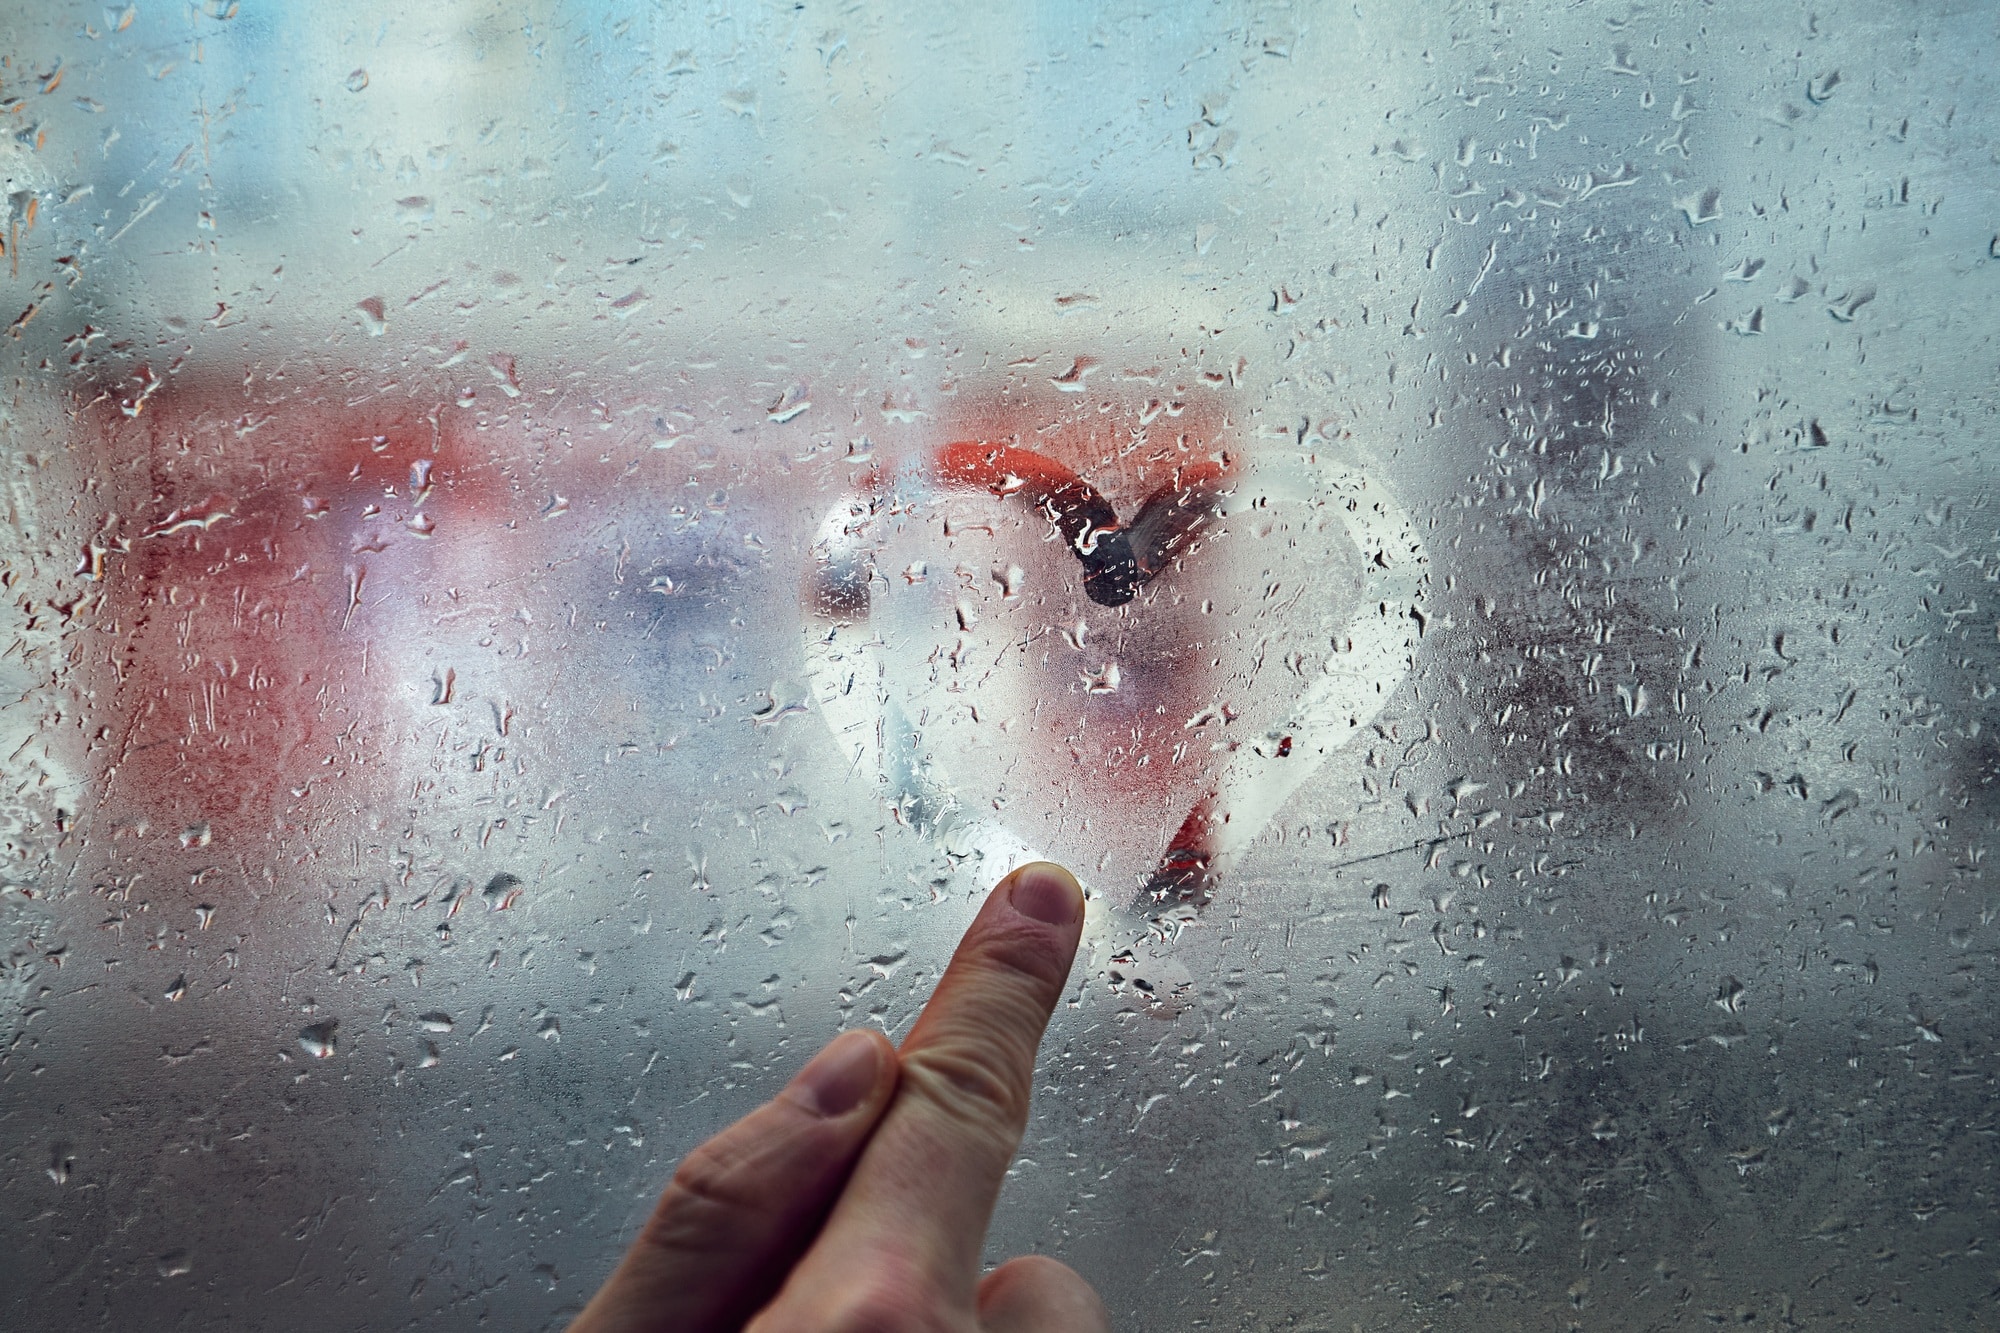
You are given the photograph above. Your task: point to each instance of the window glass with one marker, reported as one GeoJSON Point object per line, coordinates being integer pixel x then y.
{"type": "Point", "coordinates": [555, 550]}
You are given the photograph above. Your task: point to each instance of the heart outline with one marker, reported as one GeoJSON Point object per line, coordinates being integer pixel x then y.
{"type": "Point", "coordinates": [1257, 780]}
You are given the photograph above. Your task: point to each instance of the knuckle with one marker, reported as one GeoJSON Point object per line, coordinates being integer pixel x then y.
{"type": "Point", "coordinates": [977, 1087]}
{"type": "Point", "coordinates": [712, 1174]}
{"type": "Point", "coordinates": [708, 1205]}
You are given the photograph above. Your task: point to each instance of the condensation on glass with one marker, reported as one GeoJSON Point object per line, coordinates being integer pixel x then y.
{"type": "Point", "coordinates": [555, 550]}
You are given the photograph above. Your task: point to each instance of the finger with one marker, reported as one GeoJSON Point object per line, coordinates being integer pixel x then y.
{"type": "Point", "coordinates": [1035, 1294]}
{"type": "Point", "coordinates": [744, 1205]}
{"type": "Point", "coordinates": [914, 1214]}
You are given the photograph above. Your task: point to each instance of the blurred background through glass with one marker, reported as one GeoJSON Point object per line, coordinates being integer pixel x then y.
{"type": "Point", "coordinates": [555, 551]}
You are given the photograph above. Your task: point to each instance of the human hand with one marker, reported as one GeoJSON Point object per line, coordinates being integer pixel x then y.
{"type": "Point", "coordinates": [856, 1201]}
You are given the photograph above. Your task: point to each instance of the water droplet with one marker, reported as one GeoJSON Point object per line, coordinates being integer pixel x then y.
{"type": "Point", "coordinates": [1701, 208]}
{"type": "Point", "coordinates": [1746, 326]}
{"type": "Point", "coordinates": [373, 318]}
{"type": "Point", "coordinates": [624, 307]}
{"type": "Point", "coordinates": [436, 1021]}
{"type": "Point", "coordinates": [1821, 87]}
{"type": "Point", "coordinates": [357, 81]}
{"type": "Point", "coordinates": [319, 1040]}
{"type": "Point", "coordinates": [1071, 380]}
{"type": "Point", "coordinates": [502, 891]}
{"type": "Point", "coordinates": [791, 404]}
{"type": "Point", "coordinates": [175, 1263]}
{"type": "Point", "coordinates": [1843, 308]}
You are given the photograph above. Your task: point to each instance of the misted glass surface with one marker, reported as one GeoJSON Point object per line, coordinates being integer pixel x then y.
{"type": "Point", "coordinates": [556, 550]}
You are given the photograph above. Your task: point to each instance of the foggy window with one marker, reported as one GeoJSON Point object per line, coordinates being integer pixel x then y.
{"type": "Point", "coordinates": [555, 550]}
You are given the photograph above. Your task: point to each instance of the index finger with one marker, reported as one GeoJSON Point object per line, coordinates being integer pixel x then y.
{"type": "Point", "coordinates": [915, 1211]}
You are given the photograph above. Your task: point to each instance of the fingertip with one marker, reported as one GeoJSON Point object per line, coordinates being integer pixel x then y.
{"type": "Point", "coordinates": [1031, 924]}
{"type": "Point", "coordinates": [1046, 892]}
{"type": "Point", "coordinates": [846, 1074]}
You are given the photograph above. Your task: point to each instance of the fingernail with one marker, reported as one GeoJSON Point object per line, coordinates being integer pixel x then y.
{"type": "Point", "coordinates": [840, 1077]}
{"type": "Point", "coordinates": [1044, 891]}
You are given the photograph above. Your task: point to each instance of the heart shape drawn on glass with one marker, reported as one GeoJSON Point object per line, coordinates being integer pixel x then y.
{"type": "Point", "coordinates": [1022, 672]}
